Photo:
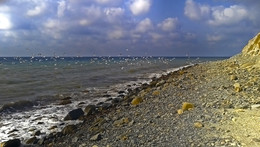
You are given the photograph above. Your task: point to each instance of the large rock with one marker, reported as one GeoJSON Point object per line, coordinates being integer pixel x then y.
{"type": "Point", "coordinates": [69, 129]}
{"type": "Point", "coordinates": [12, 143]}
{"type": "Point", "coordinates": [14, 106]}
{"type": "Point", "coordinates": [90, 109]}
{"type": "Point", "coordinates": [74, 114]}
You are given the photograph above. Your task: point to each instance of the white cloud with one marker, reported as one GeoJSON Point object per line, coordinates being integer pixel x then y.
{"type": "Point", "coordinates": [93, 12]}
{"type": "Point", "coordinates": [54, 28]}
{"type": "Point", "coordinates": [114, 11]}
{"type": "Point", "coordinates": [138, 7]}
{"type": "Point", "coordinates": [4, 8]}
{"type": "Point", "coordinates": [214, 38]}
{"type": "Point", "coordinates": [116, 34]}
{"type": "Point", "coordinates": [51, 24]}
{"type": "Point", "coordinates": [90, 15]}
{"type": "Point", "coordinates": [196, 11]}
{"type": "Point", "coordinates": [84, 22]}
{"type": "Point", "coordinates": [155, 36]}
{"type": "Point", "coordinates": [114, 15]}
{"type": "Point", "coordinates": [5, 23]}
{"type": "Point", "coordinates": [227, 16]}
{"type": "Point", "coordinates": [61, 8]}
{"type": "Point", "coordinates": [144, 26]}
{"type": "Point", "coordinates": [107, 1]}
{"type": "Point", "coordinates": [37, 10]}
{"type": "Point", "coordinates": [169, 24]}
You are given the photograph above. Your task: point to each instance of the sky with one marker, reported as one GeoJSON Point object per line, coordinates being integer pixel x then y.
{"type": "Point", "coordinates": [127, 27]}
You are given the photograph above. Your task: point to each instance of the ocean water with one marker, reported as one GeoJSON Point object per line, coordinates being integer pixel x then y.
{"type": "Point", "coordinates": [32, 87]}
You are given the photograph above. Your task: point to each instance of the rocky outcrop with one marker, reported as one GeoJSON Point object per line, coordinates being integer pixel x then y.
{"type": "Point", "coordinates": [250, 56]}
{"type": "Point", "coordinates": [253, 47]}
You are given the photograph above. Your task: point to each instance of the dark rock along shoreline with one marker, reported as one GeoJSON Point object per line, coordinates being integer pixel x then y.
{"type": "Point", "coordinates": [222, 109]}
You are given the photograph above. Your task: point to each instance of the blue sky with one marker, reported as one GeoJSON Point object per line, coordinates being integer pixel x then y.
{"type": "Point", "coordinates": [127, 27]}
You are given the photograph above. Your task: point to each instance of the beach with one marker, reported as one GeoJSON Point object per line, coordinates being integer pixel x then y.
{"type": "Point", "coordinates": [208, 104]}
{"type": "Point", "coordinates": [214, 120]}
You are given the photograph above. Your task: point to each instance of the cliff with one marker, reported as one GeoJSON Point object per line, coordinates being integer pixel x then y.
{"type": "Point", "coordinates": [250, 55]}
{"type": "Point", "coordinates": [253, 47]}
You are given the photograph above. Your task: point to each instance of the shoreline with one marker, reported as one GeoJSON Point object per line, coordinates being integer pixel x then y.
{"type": "Point", "coordinates": [134, 89]}
{"type": "Point", "coordinates": [155, 120]}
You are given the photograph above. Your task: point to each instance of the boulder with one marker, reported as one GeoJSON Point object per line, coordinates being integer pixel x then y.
{"type": "Point", "coordinates": [12, 143]}
{"type": "Point", "coordinates": [74, 114]}
{"type": "Point", "coordinates": [90, 109]}
{"type": "Point", "coordinates": [14, 106]}
{"type": "Point", "coordinates": [69, 129]}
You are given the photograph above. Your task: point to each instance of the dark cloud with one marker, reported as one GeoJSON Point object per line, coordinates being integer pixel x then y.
{"type": "Point", "coordinates": [3, 1]}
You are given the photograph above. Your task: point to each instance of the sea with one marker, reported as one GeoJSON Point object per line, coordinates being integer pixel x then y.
{"type": "Point", "coordinates": [31, 88]}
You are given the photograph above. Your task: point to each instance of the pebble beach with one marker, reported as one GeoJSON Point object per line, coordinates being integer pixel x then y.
{"type": "Point", "coordinates": [209, 104]}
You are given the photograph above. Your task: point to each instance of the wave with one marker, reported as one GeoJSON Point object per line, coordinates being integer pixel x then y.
{"type": "Point", "coordinates": [16, 106]}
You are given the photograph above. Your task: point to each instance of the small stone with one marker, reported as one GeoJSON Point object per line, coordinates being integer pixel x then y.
{"type": "Point", "coordinates": [33, 140]}
{"type": "Point", "coordinates": [105, 106]}
{"type": "Point", "coordinates": [65, 102]}
{"type": "Point", "coordinates": [14, 130]}
{"type": "Point", "coordinates": [37, 133]}
{"type": "Point", "coordinates": [69, 129]}
{"type": "Point", "coordinates": [198, 125]}
{"type": "Point", "coordinates": [75, 139]}
{"type": "Point", "coordinates": [131, 123]}
{"type": "Point", "coordinates": [237, 87]}
{"type": "Point", "coordinates": [41, 141]}
{"type": "Point", "coordinates": [121, 122]}
{"type": "Point", "coordinates": [83, 145]}
{"type": "Point", "coordinates": [53, 127]}
{"type": "Point", "coordinates": [116, 100]}
{"type": "Point", "coordinates": [256, 140]}
{"type": "Point", "coordinates": [124, 138]}
{"type": "Point", "coordinates": [179, 111]}
{"type": "Point", "coordinates": [255, 106]}
{"type": "Point", "coordinates": [66, 98]}
{"type": "Point", "coordinates": [136, 101]}
{"type": "Point", "coordinates": [233, 77]}
{"type": "Point", "coordinates": [156, 93]}
{"type": "Point", "coordinates": [240, 110]}
{"type": "Point", "coordinates": [187, 106]}
{"type": "Point", "coordinates": [96, 137]}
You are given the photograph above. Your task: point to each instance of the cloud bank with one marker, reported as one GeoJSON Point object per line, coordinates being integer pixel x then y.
{"type": "Point", "coordinates": [108, 27]}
